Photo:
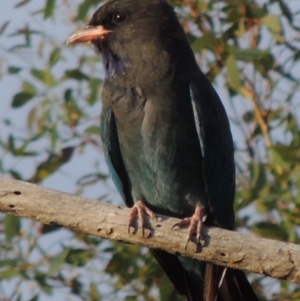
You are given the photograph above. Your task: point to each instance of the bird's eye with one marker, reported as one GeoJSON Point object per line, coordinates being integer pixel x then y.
{"type": "Point", "coordinates": [119, 17]}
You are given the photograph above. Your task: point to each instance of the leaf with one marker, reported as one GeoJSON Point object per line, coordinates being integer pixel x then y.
{"type": "Point", "coordinates": [56, 264]}
{"type": "Point", "coordinates": [233, 73]}
{"type": "Point", "coordinates": [12, 226]}
{"type": "Point", "coordinates": [28, 87]}
{"type": "Point", "coordinates": [3, 27]}
{"type": "Point", "coordinates": [21, 98]}
{"type": "Point", "coordinates": [78, 257]}
{"type": "Point", "coordinates": [54, 56]}
{"type": "Point", "coordinates": [74, 113]}
{"type": "Point", "coordinates": [284, 155]}
{"type": "Point", "coordinates": [249, 116]}
{"type": "Point", "coordinates": [254, 11]}
{"type": "Point", "coordinates": [24, 2]}
{"type": "Point", "coordinates": [258, 177]}
{"type": "Point", "coordinates": [273, 23]}
{"type": "Point", "coordinates": [84, 8]}
{"type": "Point", "coordinates": [93, 130]}
{"type": "Point", "coordinates": [14, 70]}
{"type": "Point", "coordinates": [205, 41]}
{"type": "Point", "coordinates": [41, 279]}
{"type": "Point", "coordinates": [76, 74]}
{"type": "Point", "coordinates": [285, 10]}
{"type": "Point", "coordinates": [45, 229]}
{"type": "Point", "coordinates": [44, 76]}
{"type": "Point", "coordinates": [51, 164]}
{"type": "Point", "coordinates": [265, 64]}
{"type": "Point", "coordinates": [7, 262]}
{"type": "Point", "coordinates": [94, 88]}
{"type": "Point", "coordinates": [94, 293]}
{"type": "Point", "coordinates": [250, 54]}
{"type": "Point", "coordinates": [34, 298]}
{"type": "Point", "coordinates": [16, 175]}
{"type": "Point", "coordinates": [11, 143]}
{"type": "Point", "coordinates": [9, 273]}
{"type": "Point", "coordinates": [49, 9]}
{"type": "Point", "coordinates": [270, 230]}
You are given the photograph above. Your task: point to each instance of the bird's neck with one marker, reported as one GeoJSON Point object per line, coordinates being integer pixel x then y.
{"type": "Point", "coordinates": [114, 66]}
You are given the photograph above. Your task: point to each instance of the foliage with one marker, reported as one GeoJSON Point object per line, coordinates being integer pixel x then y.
{"type": "Point", "coordinates": [50, 135]}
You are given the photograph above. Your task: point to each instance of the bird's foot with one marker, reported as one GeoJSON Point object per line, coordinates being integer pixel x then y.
{"type": "Point", "coordinates": [195, 223]}
{"type": "Point", "coordinates": [139, 211]}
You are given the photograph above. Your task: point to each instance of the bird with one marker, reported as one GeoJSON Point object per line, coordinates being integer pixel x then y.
{"type": "Point", "coordinates": [166, 136]}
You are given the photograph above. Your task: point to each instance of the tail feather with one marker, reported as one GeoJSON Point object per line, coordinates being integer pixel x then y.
{"type": "Point", "coordinates": [219, 284]}
{"type": "Point", "coordinates": [223, 284]}
{"type": "Point", "coordinates": [236, 287]}
{"type": "Point", "coordinates": [213, 275]}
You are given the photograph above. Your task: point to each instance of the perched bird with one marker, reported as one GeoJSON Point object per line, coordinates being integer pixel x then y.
{"type": "Point", "coordinates": [166, 135]}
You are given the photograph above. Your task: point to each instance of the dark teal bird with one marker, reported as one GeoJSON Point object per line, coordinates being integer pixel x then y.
{"type": "Point", "coordinates": [166, 135]}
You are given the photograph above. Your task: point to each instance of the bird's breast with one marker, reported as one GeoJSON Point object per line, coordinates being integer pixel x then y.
{"type": "Point", "coordinates": [159, 146]}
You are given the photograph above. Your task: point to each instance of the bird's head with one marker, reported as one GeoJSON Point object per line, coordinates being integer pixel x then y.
{"type": "Point", "coordinates": [135, 36]}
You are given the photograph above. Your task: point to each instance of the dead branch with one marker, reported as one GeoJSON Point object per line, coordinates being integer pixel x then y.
{"type": "Point", "coordinates": [227, 248]}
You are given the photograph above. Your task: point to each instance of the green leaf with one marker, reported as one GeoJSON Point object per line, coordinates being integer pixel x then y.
{"type": "Point", "coordinates": [233, 73]}
{"type": "Point", "coordinates": [56, 264]}
{"type": "Point", "coordinates": [258, 177]}
{"type": "Point", "coordinates": [12, 226]}
{"type": "Point", "coordinates": [265, 64]}
{"type": "Point", "coordinates": [249, 116]}
{"type": "Point", "coordinates": [34, 298]}
{"type": "Point", "coordinates": [94, 293]}
{"type": "Point", "coordinates": [23, 2]}
{"type": "Point", "coordinates": [76, 74]}
{"type": "Point", "coordinates": [270, 230]}
{"type": "Point", "coordinates": [273, 23]}
{"type": "Point", "coordinates": [49, 9]}
{"type": "Point", "coordinates": [93, 130]}
{"type": "Point", "coordinates": [14, 70]}
{"type": "Point", "coordinates": [253, 10]}
{"type": "Point", "coordinates": [16, 175]}
{"type": "Point", "coordinates": [3, 27]}
{"type": "Point", "coordinates": [94, 88]}
{"type": "Point", "coordinates": [78, 257]}
{"type": "Point", "coordinates": [41, 279]}
{"type": "Point", "coordinates": [7, 262]}
{"type": "Point", "coordinates": [55, 56]}
{"type": "Point", "coordinates": [46, 229]}
{"type": "Point", "coordinates": [286, 10]}
{"type": "Point", "coordinates": [21, 98]}
{"type": "Point", "coordinates": [84, 8]}
{"type": "Point", "coordinates": [205, 41]}
{"type": "Point", "coordinates": [250, 54]}
{"type": "Point", "coordinates": [9, 273]}
{"type": "Point", "coordinates": [28, 87]}
{"type": "Point", "coordinates": [284, 155]}
{"type": "Point", "coordinates": [11, 143]}
{"type": "Point", "coordinates": [44, 76]}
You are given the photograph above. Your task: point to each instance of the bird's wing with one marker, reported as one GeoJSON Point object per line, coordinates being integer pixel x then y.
{"type": "Point", "coordinates": [217, 149]}
{"type": "Point", "coordinates": [113, 155]}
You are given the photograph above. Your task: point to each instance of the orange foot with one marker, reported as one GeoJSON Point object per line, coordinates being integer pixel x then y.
{"type": "Point", "coordinates": [139, 210]}
{"type": "Point", "coordinates": [195, 223]}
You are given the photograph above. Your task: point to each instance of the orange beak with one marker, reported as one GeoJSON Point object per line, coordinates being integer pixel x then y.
{"type": "Point", "coordinates": [88, 34]}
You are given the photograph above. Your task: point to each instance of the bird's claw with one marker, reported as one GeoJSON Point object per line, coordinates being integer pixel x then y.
{"type": "Point", "coordinates": [195, 223]}
{"type": "Point", "coordinates": [139, 210]}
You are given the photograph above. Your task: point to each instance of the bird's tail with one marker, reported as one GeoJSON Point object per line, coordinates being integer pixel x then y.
{"type": "Point", "coordinates": [218, 284]}
{"type": "Point", "coordinates": [223, 284]}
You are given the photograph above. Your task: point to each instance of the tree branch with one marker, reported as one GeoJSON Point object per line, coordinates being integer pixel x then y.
{"type": "Point", "coordinates": [227, 248]}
